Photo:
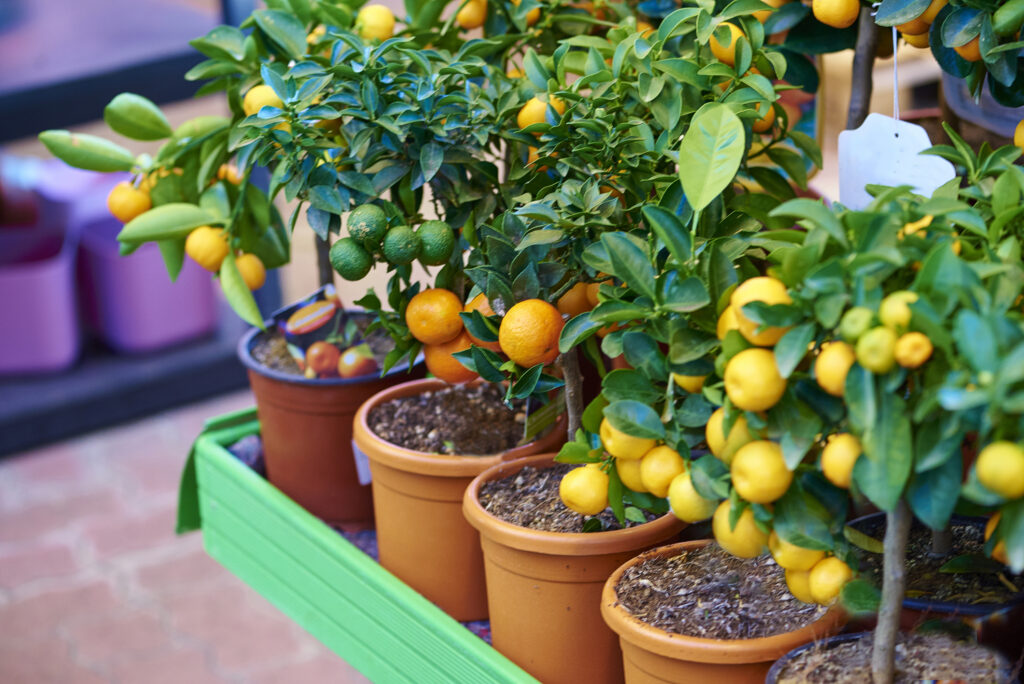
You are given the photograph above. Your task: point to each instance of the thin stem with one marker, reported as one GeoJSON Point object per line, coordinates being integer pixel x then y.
{"type": "Point", "coordinates": [863, 63]}
{"type": "Point", "coordinates": [323, 261]}
{"type": "Point", "coordinates": [894, 583]}
{"type": "Point", "coordinates": [942, 542]}
{"type": "Point", "coordinates": [573, 391]}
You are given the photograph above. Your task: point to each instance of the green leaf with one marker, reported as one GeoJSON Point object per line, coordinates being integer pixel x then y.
{"type": "Point", "coordinates": [976, 341]}
{"type": "Point", "coordinates": [578, 329]}
{"type": "Point", "coordinates": [642, 353]}
{"type": "Point", "coordinates": [883, 471]}
{"type": "Point", "coordinates": [133, 116]}
{"type": "Point", "coordinates": [84, 151]}
{"type": "Point", "coordinates": [575, 452]}
{"type": "Point", "coordinates": [622, 384]}
{"type": "Point", "coordinates": [972, 563]}
{"type": "Point", "coordinates": [933, 494]}
{"type": "Point", "coordinates": [635, 418]}
{"type": "Point", "coordinates": [593, 414]}
{"type": "Point", "coordinates": [710, 477]}
{"type": "Point", "coordinates": [792, 348]}
{"type": "Point", "coordinates": [683, 296]}
{"type": "Point", "coordinates": [629, 263]}
{"type": "Point", "coordinates": [238, 294]}
{"type": "Point", "coordinates": [284, 29]}
{"type": "Point", "coordinates": [166, 222]}
{"type": "Point", "coordinates": [669, 230]}
{"type": "Point", "coordinates": [863, 541]}
{"type": "Point", "coordinates": [431, 158]}
{"type": "Point", "coordinates": [710, 153]}
{"type": "Point", "coordinates": [815, 213]}
{"type": "Point", "coordinates": [801, 519]}
{"type": "Point", "coordinates": [895, 12]}
{"type": "Point", "coordinates": [173, 253]}
{"type": "Point", "coordinates": [860, 597]}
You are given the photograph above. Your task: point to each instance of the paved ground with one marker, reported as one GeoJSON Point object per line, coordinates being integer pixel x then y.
{"type": "Point", "coordinates": [95, 586]}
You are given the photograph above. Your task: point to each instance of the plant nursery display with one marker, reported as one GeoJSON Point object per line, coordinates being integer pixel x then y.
{"type": "Point", "coordinates": [643, 328]}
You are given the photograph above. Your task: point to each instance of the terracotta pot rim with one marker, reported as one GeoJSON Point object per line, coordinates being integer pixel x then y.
{"type": "Point", "coordinates": [244, 353]}
{"type": "Point", "coordinates": [442, 465]}
{"type": "Point", "coordinates": [699, 649]}
{"type": "Point", "coordinates": [555, 543]}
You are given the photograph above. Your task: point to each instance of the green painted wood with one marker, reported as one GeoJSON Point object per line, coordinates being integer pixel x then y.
{"type": "Point", "coordinates": [333, 590]}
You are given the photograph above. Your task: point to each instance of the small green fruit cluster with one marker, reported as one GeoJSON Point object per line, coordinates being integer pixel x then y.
{"type": "Point", "coordinates": [368, 233]}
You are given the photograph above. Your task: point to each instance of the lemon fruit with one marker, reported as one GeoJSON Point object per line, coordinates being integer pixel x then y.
{"type": "Point", "coordinates": [535, 110]}
{"type": "Point", "coordinates": [350, 259]}
{"type": "Point", "coordinates": [629, 473]}
{"type": "Point", "coordinates": [584, 490]}
{"type": "Point", "coordinates": [401, 245]}
{"type": "Point", "coordinates": [726, 52]}
{"type": "Point", "coordinates": [375, 22]}
{"type": "Point", "coordinates": [437, 242]}
{"type": "Point", "coordinates": [726, 322]}
{"type": "Point", "coordinates": [799, 584]}
{"type": "Point", "coordinates": [855, 323]}
{"type": "Point", "coordinates": [876, 350]}
{"type": "Point", "coordinates": [1018, 135]}
{"type": "Point", "coordinates": [918, 41]}
{"type": "Point", "coordinates": [685, 503]}
{"type": "Point", "coordinates": [759, 472]}
{"type": "Point", "coordinates": [368, 224]}
{"type": "Point", "coordinates": [895, 309]}
{"type": "Point", "coordinates": [913, 349]}
{"type": "Point", "coordinates": [690, 383]}
{"type": "Point", "coordinates": [752, 380]}
{"type": "Point", "coordinates": [790, 556]}
{"type": "Point", "coordinates": [838, 458]}
{"type": "Point", "coordinates": [472, 15]}
{"type": "Point", "coordinates": [721, 446]}
{"type": "Point", "coordinates": [208, 246]}
{"type": "Point", "coordinates": [832, 366]}
{"type": "Point", "coordinates": [760, 289]}
{"type": "Point", "coordinates": [259, 97]}
{"type": "Point", "coordinates": [621, 445]}
{"type": "Point", "coordinates": [1000, 468]}
{"type": "Point", "coordinates": [253, 273]}
{"type": "Point", "coordinates": [125, 201]}
{"type": "Point", "coordinates": [746, 540]}
{"type": "Point", "coordinates": [838, 14]}
{"type": "Point", "coordinates": [659, 467]}
{"type": "Point", "coordinates": [827, 578]}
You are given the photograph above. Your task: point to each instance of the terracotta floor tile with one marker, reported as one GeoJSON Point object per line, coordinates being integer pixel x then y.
{"type": "Point", "coordinates": [36, 562]}
{"type": "Point", "coordinates": [118, 636]}
{"type": "Point", "coordinates": [43, 613]}
{"type": "Point", "coordinates": [41, 519]}
{"type": "Point", "coordinates": [324, 668]}
{"type": "Point", "coordinates": [44, 662]}
{"type": "Point", "coordinates": [178, 665]}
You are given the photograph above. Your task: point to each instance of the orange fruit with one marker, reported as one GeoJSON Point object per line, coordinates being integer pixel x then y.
{"type": "Point", "coordinates": [532, 16]}
{"type": "Point", "coordinates": [229, 173]}
{"type": "Point", "coordinates": [253, 272]}
{"type": "Point", "coordinates": [529, 332]}
{"type": "Point", "coordinates": [764, 124]}
{"type": "Point", "coordinates": [763, 15]}
{"type": "Point", "coordinates": [480, 303]}
{"type": "Point", "coordinates": [433, 316]}
{"type": "Point", "coordinates": [971, 51]}
{"type": "Point", "coordinates": [838, 14]}
{"type": "Point", "coordinates": [726, 53]}
{"type": "Point", "coordinates": [442, 364]}
{"type": "Point", "coordinates": [207, 246]}
{"type": "Point", "coordinates": [999, 551]}
{"type": "Point", "coordinates": [322, 358]}
{"type": "Point", "coordinates": [472, 15]}
{"type": "Point", "coordinates": [574, 301]}
{"type": "Point", "coordinates": [125, 201]}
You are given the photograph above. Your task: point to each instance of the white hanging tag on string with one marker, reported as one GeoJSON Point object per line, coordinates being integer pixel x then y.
{"type": "Point", "coordinates": [885, 151]}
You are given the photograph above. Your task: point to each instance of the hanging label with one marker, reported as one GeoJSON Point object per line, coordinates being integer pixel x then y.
{"type": "Point", "coordinates": [362, 464]}
{"type": "Point", "coordinates": [886, 151]}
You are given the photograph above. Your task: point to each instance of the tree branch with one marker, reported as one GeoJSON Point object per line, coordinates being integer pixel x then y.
{"type": "Point", "coordinates": [323, 261]}
{"type": "Point", "coordinates": [863, 64]}
{"type": "Point", "coordinates": [894, 583]}
{"type": "Point", "coordinates": [573, 391]}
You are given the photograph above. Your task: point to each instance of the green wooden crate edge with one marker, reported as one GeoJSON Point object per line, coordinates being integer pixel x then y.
{"type": "Point", "coordinates": [439, 636]}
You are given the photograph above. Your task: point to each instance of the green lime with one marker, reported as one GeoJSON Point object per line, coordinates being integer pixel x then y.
{"type": "Point", "coordinates": [855, 323]}
{"type": "Point", "coordinates": [437, 241]}
{"type": "Point", "coordinates": [401, 245]}
{"type": "Point", "coordinates": [367, 223]}
{"type": "Point", "coordinates": [350, 259]}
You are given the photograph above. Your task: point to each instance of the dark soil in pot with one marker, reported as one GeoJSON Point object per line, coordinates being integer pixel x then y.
{"type": "Point", "coordinates": [459, 419]}
{"type": "Point", "coordinates": [925, 579]}
{"type": "Point", "coordinates": [919, 657]}
{"type": "Point", "coordinates": [709, 593]}
{"type": "Point", "coordinates": [530, 499]}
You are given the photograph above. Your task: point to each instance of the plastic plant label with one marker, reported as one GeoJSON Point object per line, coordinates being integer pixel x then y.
{"type": "Point", "coordinates": [886, 151]}
{"type": "Point", "coordinates": [362, 464]}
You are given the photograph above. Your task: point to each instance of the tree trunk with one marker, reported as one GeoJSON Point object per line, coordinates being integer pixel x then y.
{"type": "Point", "coordinates": [942, 542]}
{"type": "Point", "coordinates": [573, 392]}
{"type": "Point", "coordinates": [863, 64]}
{"type": "Point", "coordinates": [323, 261]}
{"type": "Point", "coordinates": [894, 582]}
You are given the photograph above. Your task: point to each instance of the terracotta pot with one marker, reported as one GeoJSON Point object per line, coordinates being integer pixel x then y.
{"type": "Point", "coordinates": [653, 655]}
{"type": "Point", "coordinates": [306, 427]}
{"type": "Point", "coordinates": [422, 536]}
{"type": "Point", "coordinates": [544, 588]}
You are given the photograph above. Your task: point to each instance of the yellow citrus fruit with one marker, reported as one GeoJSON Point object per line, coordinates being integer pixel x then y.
{"type": "Point", "coordinates": [790, 556]}
{"type": "Point", "coordinates": [838, 458]}
{"type": "Point", "coordinates": [999, 551]}
{"type": "Point", "coordinates": [876, 350]}
{"type": "Point", "coordinates": [971, 51]}
{"type": "Point", "coordinates": [480, 303]}
{"type": "Point", "coordinates": [913, 349]}
{"type": "Point", "coordinates": [759, 472]}
{"type": "Point", "coordinates": [726, 322]}
{"type": "Point", "coordinates": [125, 201]}
{"type": "Point", "coordinates": [764, 124]}
{"type": "Point", "coordinates": [690, 383]}
{"type": "Point", "coordinates": [725, 447]}
{"type": "Point", "coordinates": [763, 15]}
{"type": "Point", "coordinates": [207, 246]}
{"type": "Point", "coordinates": [752, 380]}
{"type": "Point", "coordinates": [433, 316]}
{"type": "Point", "coordinates": [574, 301]}
{"type": "Point", "coordinates": [229, 173]}
{"type": "Point", "coordinates": [726, 53]}
{"type": "Point", "coordinates": [895, 309]}
{"type": "Point", "coordinates": [1018, 135]}
{"type": "Point", "coordinates": [659, 467]}
{"type": "Point", "coordinates": [253, 272]}
{"type": "Point", "coordinates": [746, 540]}
{"type": "Point", "coordinates": [535, 110]}
{"type": "Point", "coordinates": [920, 24]}
{"type": "Point", "coordinates": [855, 323]}
{"type": "Point", "coordinates": [1000, 468]}
{"type": "Point", "coordinates": [472, 15]}
{"type": "Point", "coordinates": [832, 366]}
{"type": "Point", "coordinates": [644, 28]}
{"type": "Point", "coordinates": [761, 289]}
{"type": "Point", "coordinates": [584, 490]}
{"type": "Point", "coordinates": [686, 503]}
{"type": "Point", "coordinates": [529, 332]}
{"type": "Point", "coordinates": [799, 583]}
{"type": "Point", "coordinates": [621, 445]}
{"type": "Point", "coordinates": [532, 16]}
{"type": "Point", "coordinates": [827, 578]}
{"type": "Point", "coordinates": [918, 41]}
{"type": "Point", "coordinates": [629, 473]}
{"type": "Point", "coordinates": [375, 22]}
{"type": "Point", "coordinates": [514, 72]}
{"type": "Point", "coordinates": [442, 364]}
{"type": "Point", "coordinates": [836, 13]}
{"type": "Point", "coordinates": [259, 97]}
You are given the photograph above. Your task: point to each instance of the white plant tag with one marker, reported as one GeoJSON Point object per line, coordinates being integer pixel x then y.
{"type": "Point", "coordinates": [886, 151]}
{"type": "Point", "coordinates": [362, 464]}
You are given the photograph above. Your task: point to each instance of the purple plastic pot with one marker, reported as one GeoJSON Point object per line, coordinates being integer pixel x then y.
{"type": "Point", "coordinates": [37, 299]}
{"type": "Point", "coordinates": [131, 303]}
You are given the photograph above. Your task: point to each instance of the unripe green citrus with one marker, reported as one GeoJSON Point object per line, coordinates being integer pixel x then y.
{"type": "Point", "coordinates": [401, 245]}
{"type": "Point", "coordinates": [350, 259]}
{"type": "Point", "coordinates": [437, 242]}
